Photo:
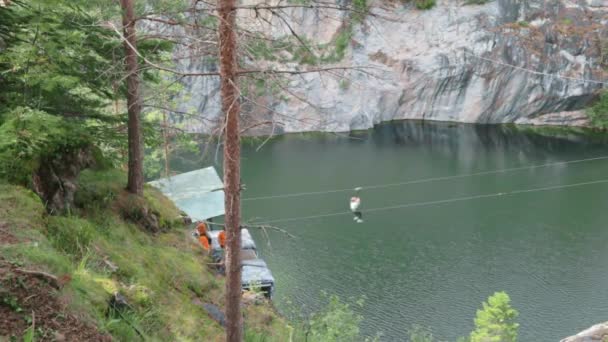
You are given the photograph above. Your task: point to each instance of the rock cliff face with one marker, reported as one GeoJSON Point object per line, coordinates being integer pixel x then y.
{"type": "Point", "coordinates": [597, 333]}
{"type": "Point", "coordinates": [455, 62]}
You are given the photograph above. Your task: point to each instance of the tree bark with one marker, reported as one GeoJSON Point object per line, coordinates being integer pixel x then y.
{"type": "Point", "coordinates": [232, 173]}
{"type": "Point", "coordinates": [135, 182]}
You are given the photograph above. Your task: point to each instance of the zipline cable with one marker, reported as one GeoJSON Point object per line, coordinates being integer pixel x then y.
{"type": "Point", "coordinates": [450, 200]}
{"type": "Point", "coordinates": [425, 180]}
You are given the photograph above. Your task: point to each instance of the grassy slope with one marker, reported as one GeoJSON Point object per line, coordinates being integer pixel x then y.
{"type": "Point", "coordinates": [163, 276]}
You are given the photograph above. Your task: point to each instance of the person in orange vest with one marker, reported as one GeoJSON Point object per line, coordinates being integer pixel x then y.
{"type": "Point", "coordinates": [204, 242]}
{"type": "Point", "coordinates": [201, 229]}
{"type": "Point", "coordinates": [222, 239]}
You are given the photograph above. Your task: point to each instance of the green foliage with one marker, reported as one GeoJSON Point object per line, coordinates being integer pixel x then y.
{"type": "Point", "coordinates": [28, 136]}
{"type": "Point", "coordinates": [301, 50]}
{"type": "Point", "coordinates": [260, 49]}
{"type": "Point", "coordinates": [31, 209]}
{"type": "Point", "coordinates": [29, 335]}
{"type": "Point", "coordinates": [97, 189]}
{"type": "Point", "coordinates": [476, 2]}
{"type": "Point", "coordinates": [184, 155]}
{"type": "Point", "coordinates": [336, 322]}
{"type": "Point", "coordinates": [304, 54]}
{"type": "Point", "coordinates": [598, 112]}
{"type": "Point", "coordinates": [40, 252]}
{"type": "Point", "coordinates": [23, 213]}
{"type": "Point", "coordinates": [61, 86]}
{"type": "Point", "coordinates": [360, 9]}
{"type": "Point", "coordinates": [523, 23]}
{"type": "Point", "coordinates": [61, 81]}
{"type": "Point", "coordinates": [71, 235]}
{"type": "Point", "coordinates": [101, 190]}
{"type": "Point", "coordinates": [60, 60]}
{"type": "Point", "coordinates": [54, 84]}
{"type": "Point", "coordinates": [57, 59]}
{"type": "Point", "coordinates": [254, 336]}
{"type": "Point", "coordinates": [342, 41]}
{"type": "Point", "coordinates": [11, 301]}
{"type": "Point", "coordinates": [425, 4]}
{"type": "Point", "coordinates": [121, 330]}
{"type": "Point", "coordinates": [495, 322]}
{"type": "Point", "coordinates": [420, 334]}
{"type": "Point", "coordinates": [165, 127]}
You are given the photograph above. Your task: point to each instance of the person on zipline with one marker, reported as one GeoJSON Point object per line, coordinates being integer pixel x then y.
{"type": "Point", "coordinates": [355, 204]}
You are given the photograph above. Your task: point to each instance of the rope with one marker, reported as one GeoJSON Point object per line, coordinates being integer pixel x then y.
{"type": "Point", "coordinates": [424, 180]}
{"type": "Point", "coordinates": [457, 199]}
{"type": "Point", "coordinates": [537, 72]}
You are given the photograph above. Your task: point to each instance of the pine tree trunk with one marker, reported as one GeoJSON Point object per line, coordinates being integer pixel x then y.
{"type": "Point", "coordinates": [232, 172]}
{"type": "Point", "coordinates": [135, 182]}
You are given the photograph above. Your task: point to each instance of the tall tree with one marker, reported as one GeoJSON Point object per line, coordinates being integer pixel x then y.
{"type": "Point", "coordinates": [55, 89]}
{"type": "Point", "coordinates": [135, 182]}
{"type": "Point", "coordinates": [232, 166]}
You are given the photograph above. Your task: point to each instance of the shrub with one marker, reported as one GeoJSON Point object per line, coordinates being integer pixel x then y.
{"type": "Point", "coordinates": [598, 113]}
{"type": "Point", "coordinates": [341, 43]}
{"type": "Point", "coordinates": [360, 8]}
{"type": "Point", "coordinates": [336, 322]}
{"type": "Point", "coordinates": [495, 322]}
{"type": "Point", "coordinates": [425, 4]}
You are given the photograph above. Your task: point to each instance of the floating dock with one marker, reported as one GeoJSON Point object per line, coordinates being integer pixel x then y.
{"type": "Point", "coordinates": [200, 194]}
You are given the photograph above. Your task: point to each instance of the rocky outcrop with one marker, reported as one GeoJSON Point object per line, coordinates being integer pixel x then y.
{"type": "Point", "coordinates": [505, 61]}
{"type": "Point", "coordinates": [597, 333]}
{"type": "Point", "coordinates": [55, 181]}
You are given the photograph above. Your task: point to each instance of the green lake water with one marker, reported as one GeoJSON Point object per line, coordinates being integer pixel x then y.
{"type": "Point", "coordinates": [433, 265]}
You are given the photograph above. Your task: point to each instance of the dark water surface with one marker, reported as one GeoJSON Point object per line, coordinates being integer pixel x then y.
{"type": "Point", "coordinates": [433, 265]}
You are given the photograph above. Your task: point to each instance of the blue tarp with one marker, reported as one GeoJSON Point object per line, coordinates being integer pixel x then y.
{"type": "Point", "coordinates": [198, 193]}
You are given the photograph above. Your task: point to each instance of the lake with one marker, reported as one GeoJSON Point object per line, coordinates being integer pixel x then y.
{"type": "Point", "coordinates": [432, 264]}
